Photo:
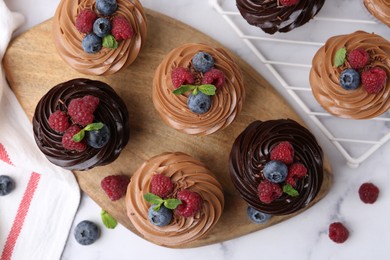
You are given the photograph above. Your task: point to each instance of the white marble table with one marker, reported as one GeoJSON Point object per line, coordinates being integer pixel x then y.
{"type": "Point", "coordinates": [303, 237]}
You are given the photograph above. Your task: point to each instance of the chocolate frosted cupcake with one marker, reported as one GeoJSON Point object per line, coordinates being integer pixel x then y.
{"type": "Point", "coordinates": [99, 39]}
{"type": "Point", "coordinates": [173, 199]}
{"type": "Point", "coordinates": [349, 75]}
{"type": "Point", "coordinates": [80, 124]}
{"type": "Point", "coordinates": [379, 9]}
{"type": "Point", "coordinates": [278, 15]}
{"type": "Point", "coordinates": [198, 89]}
{"type": "Point", "coordinates": [277, 166]}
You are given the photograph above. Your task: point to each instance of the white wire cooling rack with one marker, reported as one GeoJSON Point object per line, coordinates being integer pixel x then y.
{"type": "Point", "coordinates": [292, 71]}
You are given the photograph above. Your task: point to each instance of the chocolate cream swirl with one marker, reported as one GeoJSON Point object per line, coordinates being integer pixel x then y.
{"type": "Point", "coordinates": [380, 9]}
{"type": "Point", "coordinates": [324, 77]}
{"type": "Point", "coordinates": [67, 38]}
{"type": "Point", "coordinates": [186, 173]}
{"type": "Point", "coordinates": [225, 106]}
{"type": "Point", "coordinates": [251, 151]}
{"type": "Point", "coordinates": [111, 111]}
{"type": "Point", "coordinates": [271, 17]}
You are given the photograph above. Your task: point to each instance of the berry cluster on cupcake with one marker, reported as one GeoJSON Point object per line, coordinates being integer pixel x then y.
{"type": "Point", "coordinates": [77, 125]}
{"type": "Point", "coordinates": [103, 27]}
{"type": "Point", "coordinates": [358, 71]}
{"type": "Point", "coordinates": [164, 203]}
{"type": "Point", "coordinates": [201, 78]}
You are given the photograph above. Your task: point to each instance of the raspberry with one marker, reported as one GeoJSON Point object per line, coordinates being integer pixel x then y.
{"type": "Point", "coordinates": [80, 112]}
{"type": "Point", "coordinates": [295, 172]}
{"type": "Point", "coordinates": [161, 185]}
{"type": "Point", "coordinates": [69, 144]}
{"type": "Point", "coordinates": [58, 121]}
{"type": "Point", "coordinates": [268, 191]}
{"type": "Point", "coordinates": [358, 58]}
{"type": "Point", "coordinates": [191, 203]}
{"type": "Point", "coordinates": [121, 28]}
{"type": "Point", "coordinates": [181, 76]}
{"type": "Point", "coordinates": [374, 80]}
{"type": "Point", "coordinates": [283, 152]}
{"type": "Point", "coordinates": [288, 2]}
{"type": "Point", "coordinates": [368, 193]}
{"type": "Point", "coordinates": [338, 232]}
{"type": "Point", "coordinates": [91, 102]}
{"type": "Point", "coordinates": [85, 20]}
{"type": "Point", "coordinates": [115, 186]}
{"type": "Point", "coordinates": [215, 77]}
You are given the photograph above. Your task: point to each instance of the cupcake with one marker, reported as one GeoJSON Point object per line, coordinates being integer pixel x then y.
{"type": "Point", "coordinates": [278, 15]}
{"type": "Point", "coordinates": [99, 37]}
{"type": "Point", "coordinates": [80, 124]}
{"type": "Point", "coordinates": [277, 167]}
{"type": "Point", "coordinates": [173, 199]}
{"type": "Point", "coordinates": [349, 75]}
{"type": "Point", "coordinates": [198, 89]}
{"type": "Point", "coordinates": [379, 9]}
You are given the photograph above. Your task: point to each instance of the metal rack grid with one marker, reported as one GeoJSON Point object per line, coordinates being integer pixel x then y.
{"type": "Point", "coordinates": [346, 145]}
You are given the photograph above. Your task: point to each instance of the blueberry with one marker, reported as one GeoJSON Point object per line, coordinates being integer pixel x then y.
{"type": "Point", "coordinates": [275, 171]}
{"type": "Point", "coordinates": [86, 232]}
{"type": "Point", "coordinates": [256, 216]}
{"type": "Point", "coordinates": [202, 61]}
{"type": "Point", "coordinates": [199, 103]}
{"type": "Point", "coordinates": [98, 138]}
{"type": "Point", "coordinates": [92, 43]}
{"type": "Point", "coordinates": [349, 79]}
{"type": "Point", "coordinates": [102, 27]}
{"type": "Point", "coordinates": [7, 184]}
{"type": "Point", "coordinates": [160, 218]}
{"type": "Point", "coordinates": [106, 7]}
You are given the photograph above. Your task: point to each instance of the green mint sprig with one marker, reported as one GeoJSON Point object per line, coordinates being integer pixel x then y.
{"type": "Point", "coordinates": [109, 41]}
{"type": "Point", "coordinates": [156, 200]}
{"type": "Point", "coordinates": [108, 220]}
{"type": "Point", "coordinates": [91, 127]}
{"type": "Point", "coordinates": [339, 57]}
{"type": "Point", "coordinates": [207, 89]}
{"type": "Point", "coordinates": [287, 188]}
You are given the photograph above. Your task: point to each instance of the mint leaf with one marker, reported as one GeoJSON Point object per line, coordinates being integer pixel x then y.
{"type": "Point", "coordinates": [195, 91]}
{"type": "Point", "coordinates": [287, 188]}
{"type": "Point", "coordinates": [153, 199]}
{"type": "Point", "coordinates": [183, 89]}
{"type": "Point", "coordinates": [110, 42]}
{"type": "Point", "coordinates": [108, 220]}
{"type": "Point", "coordinates": [79, 136]}
{"type": "Point", "coordinates": [207, 89]}
{"type": "Point", "coordinates": [172, 203]}
{"type": "Point", "coordinates": [157, 207]}
{"type": "Point", "coordinates": [94, 126]}
{"type": "Point", "coordinates": [339, 57]}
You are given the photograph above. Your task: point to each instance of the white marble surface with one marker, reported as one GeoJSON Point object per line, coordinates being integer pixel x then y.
{"type": "Point", "coordinates": [303, 237]}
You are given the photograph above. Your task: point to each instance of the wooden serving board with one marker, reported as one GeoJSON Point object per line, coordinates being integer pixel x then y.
{"type": "Point", "coordinates": [33, 66]}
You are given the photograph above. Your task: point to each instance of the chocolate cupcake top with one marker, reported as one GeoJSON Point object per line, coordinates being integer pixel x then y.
{"type": "Point", "coordinates": [251, 151]}
{"type": "Point", "coordinates": [357, 103]}
{"type": "Point", "coordinates": [68, 40]}
{"type": "Point", "coordinates": [272, 17]}
{"type": "Point", "coordinates": [111, 110]}
{"type": "Point", "coordinates": [380, 9]}
{"type": "Point", "coordinates": [173, 109]}
{"type": "Point", "coordinates": [185, 172]}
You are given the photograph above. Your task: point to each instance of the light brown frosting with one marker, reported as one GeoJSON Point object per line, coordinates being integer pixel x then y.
{"type": "Point", "coordinates": [67, 38]}
{"type": "Point", "coordinates": [324, 77]}
{"type": "Point", "coordinates": [225, 106]}
{"type": "Point", "coordinates": [380, 9]}
{"type": "Point", "coordinates": [186, 173]}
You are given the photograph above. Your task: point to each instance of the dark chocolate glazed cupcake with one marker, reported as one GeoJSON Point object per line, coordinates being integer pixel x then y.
{"type": "Point", "coordinates": [111, 111]}
{"type": "Point", "coordinates": [271, 16]}
{"type": "Point", "coordinates": [251, 152]}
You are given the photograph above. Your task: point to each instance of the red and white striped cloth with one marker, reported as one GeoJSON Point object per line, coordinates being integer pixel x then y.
{"type": "Point", "coordinates": [36, 217]}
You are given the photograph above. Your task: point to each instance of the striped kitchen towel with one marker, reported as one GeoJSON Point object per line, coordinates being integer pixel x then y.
{"type": "Point", "coordinates": [35, 218]}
